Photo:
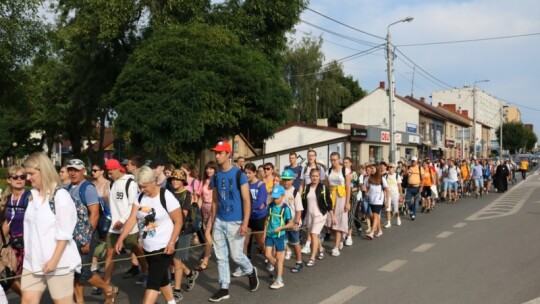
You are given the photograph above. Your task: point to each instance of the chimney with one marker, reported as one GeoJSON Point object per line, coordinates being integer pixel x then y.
{"type": "Point", "coordinates": [381, 85]}
{"type": "Point", "coordinates": [322, 122]}
{"type": "Point", "coordinates": [465, 113]}
{"type": "Point", "coordinates": [451, 107]}
{"type": "Point", "coordinates": [422, 100]}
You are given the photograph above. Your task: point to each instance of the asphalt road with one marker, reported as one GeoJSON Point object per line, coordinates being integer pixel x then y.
{"type": "Point", "coordinates": [484, 250]}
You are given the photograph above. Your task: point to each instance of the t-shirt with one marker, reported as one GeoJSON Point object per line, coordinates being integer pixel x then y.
{"type": "Point", "coordinates": [307, 170]}
{"type": "Point", "coordinates": [414, 176]}
{"type": "Point", "coordinates": [229, 198]}
{"type": "Point", "coordinates": [15, 213]}
{"type": "Point", "coordinates": [90, 194]}
{"type": "Point", "coordinates": [154, 221]}
{"type": "Point", "coordinates": [428, 181]}
{"type": "Point", "coordinates": [207, 193]}
{"type": "Point", "coordinates": [294, 203]}
{"type": "Point", "coordinates": [297, 175]}
{"type": "Point", "coordinates": [184, 198]}
{"type": "Point", "coordinates": [276, 219]}
{"type": "Point", "coordinates": [478, 171]}
{"type": "Point", "coordinates": [393, 181]}
{"type": "Point", "coordinates": [259, 196]}
{"type": "Point", "coordinates": [465, 170]}
{"type": "Point", "coordinates": [376, 192]}
{"type": "Point", "coordinates": [337, 178]}
{"type": "Point", "coordinates": [121, 202]}
{"type": "Point", "coordinates": [453, 174]}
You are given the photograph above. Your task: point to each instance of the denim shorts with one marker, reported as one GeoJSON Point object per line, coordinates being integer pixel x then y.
{"type": "Point", "coordinates": [293, 237]}
{"type": "Point", "coordinates": [278, 242]}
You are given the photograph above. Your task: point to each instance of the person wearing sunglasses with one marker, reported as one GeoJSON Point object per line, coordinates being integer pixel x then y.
{"type": "Point", "coordinates": [268, 178]}
{"type": "Point", "coordinates": [14, 203]}
{"type": "Point", "coordinates": [103, 185]}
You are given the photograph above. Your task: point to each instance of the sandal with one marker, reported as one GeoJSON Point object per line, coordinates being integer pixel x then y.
{"type": "Point", "coordinates": [311, 263]}
{"type": "Point", "coordinates": [111, 296]}
{"type": "Point", "coordinates": [321, 255]}
{"type": "Point", "coordinates": [202, 267]}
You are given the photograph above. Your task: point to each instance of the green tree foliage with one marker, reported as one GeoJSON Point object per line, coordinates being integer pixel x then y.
{"type": "Point", "coordinates": [194, 84]}
{"type": "Point", "coordinates": [517, 137]}
{"type": "Point", "coordinates": [319, 91]}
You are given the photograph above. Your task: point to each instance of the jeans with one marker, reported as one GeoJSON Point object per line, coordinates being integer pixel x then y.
{"type": "Point", "coordinates": [227, 240]}
{"type": "Point", "coordinates": [479, 183]}
{"type": "Point", "coordinates": [413, 193]}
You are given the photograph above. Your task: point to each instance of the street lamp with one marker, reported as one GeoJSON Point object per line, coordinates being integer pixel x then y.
{"type": "Point", "coordinates": [501, 132]}
{"type": "Point", "coordinates": [390, 64]}
{"type": "Point", "coordinates": [474, 113]}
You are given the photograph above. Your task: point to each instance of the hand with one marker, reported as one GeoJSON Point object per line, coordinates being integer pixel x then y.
{"type": "Point", "coordinates": [118, 225]}
{"type": "Point", "coordinates": [169, 249]}
{"type": "Point", "coordinates": [296, 227]}
{"type": "Point", "coordinates": [118, 246]}
{"type": "Point", "coordinates": [278, 229]}
{"type": "Point", "coordinates": [86, 248]}
{"type": "Point", "coordinates": [347, 207]}
{"type": "Point", "coordinates": [243, 229]}
{"type": "Point", "coordinates": [50, 266]}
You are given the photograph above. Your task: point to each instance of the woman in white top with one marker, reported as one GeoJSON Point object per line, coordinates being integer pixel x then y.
{"type": "Point", "coordinates": [339, 184]}
{"type": "Point", "coordinates": [396, 197]}
{"type": "Point", "coordinates": [51, 256]}
{"type": "Point", "coordinates": [160, 225]}
{"type": "Point", "coordinates": [379, 196]}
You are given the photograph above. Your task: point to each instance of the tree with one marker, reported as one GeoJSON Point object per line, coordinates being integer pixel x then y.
{"type": "Point", "coordinates": [517, 137]}
{"type": "Point", "coordinates": [190, 85]}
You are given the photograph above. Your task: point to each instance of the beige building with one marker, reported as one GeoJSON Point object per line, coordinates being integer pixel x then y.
{"type": "Point", "coordinates": [512, 115]}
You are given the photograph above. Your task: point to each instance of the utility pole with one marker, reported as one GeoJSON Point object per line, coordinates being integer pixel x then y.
{"type": "Point", "coordinates": [391, 99]}
{"type": "Point", "coordinates": [474, 114]}
{"type": "Point", "coordinates": [501, 132]}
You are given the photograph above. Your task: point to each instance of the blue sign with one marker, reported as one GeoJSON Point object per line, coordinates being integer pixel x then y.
{"type": "Point", "coordinates": [411, 128]}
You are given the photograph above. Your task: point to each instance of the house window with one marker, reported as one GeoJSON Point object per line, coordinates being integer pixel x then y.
{"type": "Point", "coordinates": [236, 144]}
{"type": "Point", "coordinates": [375, 154]}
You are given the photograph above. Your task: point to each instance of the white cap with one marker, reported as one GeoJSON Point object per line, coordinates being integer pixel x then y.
{"type": "Point", "coordinates": [414, 158]}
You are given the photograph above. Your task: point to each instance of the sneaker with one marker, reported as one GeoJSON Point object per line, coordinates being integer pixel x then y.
{"type": "Point", "coordinates": [142, 280]}
{"type": "Point", "coordinates": [398, 221]}
{"type": "Point", "coordinates": [306, 249]}
{"type": "Point", "coordinates": [335, 252]}
{"type": "Point", "coordinates": [178, 295]}
{"type": "Point", "coordinates": [297, 268]}
{"type": "Point", "coordinates": [388, 225]}
{"type": "Point", "coordinates": [133, 271]}
{"type": "Point", "coordinates": [277, 284]}
{"type": "Point", "coordinates": [413, 217]}
{"type": "Point", "coordinates": [348, 241]}
{"type": "Point", "coordinates": [253, 280]}
{"type": "Point", "coordinates": [379, 234]}
{"type": "Point", "coordinates": [96, 291]}
{"type": "Point", "coordinates": [191, 278]}
{"type": "Point", "coordinates": [237, 273]}
{"type": "Point", "coordinates": [221, 294]}
{"type": "Point", "coordinates": [96, 268]}
{"type": "Point", "coordinates": [288, 255]}
{"type": "Point", "coordinates": [340, 245]}
{"type": "Point", "coordinates": [269, 267]}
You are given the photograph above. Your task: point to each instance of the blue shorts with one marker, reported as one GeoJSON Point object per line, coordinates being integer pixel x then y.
{"type": "Point", "coordinates": [278, 242]}
{"type": "Point", "coordinates": [293, 237]}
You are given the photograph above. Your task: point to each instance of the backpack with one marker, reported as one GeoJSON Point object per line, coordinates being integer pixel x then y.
{"type": "Point", "coordinates": [193, 221]}
{"type": "Point", "coordinates": [280, 215]}
{"type": "Point", "coordinates": [105, 216]}
{"type": "Point", "coordinates": [161, 198]}
{"type": "Point", "coordinates": [82, 235]}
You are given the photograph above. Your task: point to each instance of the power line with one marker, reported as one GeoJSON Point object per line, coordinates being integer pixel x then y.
{"type": "Point", "coordinates": [422, 74]}
{"type": "Point", "coordinates": [338, 34]}
{"type": "Point", "coordinates": [470, 40]}
{"type": "Point", "coordinates": [435, 78]}
{"type": "Point", "coordinates": [346, 25]}
{"type": "Point", "coordinates": [326, 40]}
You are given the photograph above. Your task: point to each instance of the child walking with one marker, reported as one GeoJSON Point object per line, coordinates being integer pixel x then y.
{"type": "Point", "coordinates": [279, 219]}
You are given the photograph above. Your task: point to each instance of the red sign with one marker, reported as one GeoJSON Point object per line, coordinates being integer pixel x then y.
{"type": "Point", "coordinates": [385, 136]}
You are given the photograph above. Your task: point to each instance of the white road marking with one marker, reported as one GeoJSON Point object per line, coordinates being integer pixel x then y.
{"type": "Point", "coordinates": [534, 301]}
{"type": "Point", "coordinates": [423, 248]}
{"type": "Point", "coordinates": [344, 295]}
{"type": "Point", "coordinates": [393, 266]}
{"type": "Point", "coordinates": [445, 234]}
{"type": "Point", "coordinates": [460, 225]}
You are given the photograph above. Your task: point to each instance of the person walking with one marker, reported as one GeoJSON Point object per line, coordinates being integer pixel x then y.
{"type": "Point", "coordinates": [415, 182]}
{"type": "Point", "coordinates": [230, 218]}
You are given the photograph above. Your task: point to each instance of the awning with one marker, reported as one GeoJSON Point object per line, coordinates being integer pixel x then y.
{"type": "Point", "coordinates": [427, 144]}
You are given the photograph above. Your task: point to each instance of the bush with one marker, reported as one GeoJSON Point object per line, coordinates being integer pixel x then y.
{"type": "Point", "coordinates": [3, 173]}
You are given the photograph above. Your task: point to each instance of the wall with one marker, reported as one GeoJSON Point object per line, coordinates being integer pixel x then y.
{"type": "Point", "coordinates": [296, 136]}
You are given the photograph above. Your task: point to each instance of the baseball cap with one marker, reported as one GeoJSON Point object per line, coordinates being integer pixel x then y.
{"type": "Point", "coordinates": [414, 158]}
{"type": "Point", "coordinates": [287, 174]}
{"type": "Point", "coordinates": [75, 164]}
{"type": "Point", "coordinates": [278, 191]}
{"type": "Point", "coordinates": [222, 146]}
{"type": "Point", "coordinates": [113, 164]}
{"type": "Point", "coordinates": [156, 163]}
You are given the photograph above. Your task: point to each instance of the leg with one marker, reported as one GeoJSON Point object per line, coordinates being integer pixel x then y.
{"type": "Point", "coordinates": [109, 264]}
{"type": "Point", "coordinates": [314, 245]}
{"type": "Point", "coordinates": [280, 256]}
{"type": "Point", "coordinates": [221, 250]}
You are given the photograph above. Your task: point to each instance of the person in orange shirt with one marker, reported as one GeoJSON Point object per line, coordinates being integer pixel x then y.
{"type": "Point", "coordinates": [426, 189]}
{"type": "Point", "coordinates": [524, 167]}
{"type": "Point", "coordinates": [465, 178]}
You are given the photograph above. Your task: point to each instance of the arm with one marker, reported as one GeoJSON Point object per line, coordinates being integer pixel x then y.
{"type": "Point", "coordinates": [348, 179]}
{"type": "Point", "coordinates": [94, 215]}
{"type": "Point", "coordinates": [66, 219]}
{"type": "Point", "coordinates": [214, 206]}
{"type": "Point", "coordinates": [262, 196]}
{"type": "Point", "coordinates": [176, 217]}
{"type": "Point", "coordinates": [5, 228]}
{"type": "Point", "coordinates": [246, 208]}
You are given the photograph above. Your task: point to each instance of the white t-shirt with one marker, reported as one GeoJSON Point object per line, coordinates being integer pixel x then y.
{"type": "Point", "coordinates": [3, 298]}
{"type": "Point", "coordinates": [42, 228]}
{"type": "Point", "coordinates": [294, 203]}
{"type": "Point", "coordinates": [376, 192]}
{"type": "Point", "coordinates": [337, 178]}
{"type": "Point", "coordinates": [453, 173]}
{"type": "Point", "coordinates": [307, 170]}
{"type": "Point", "coordinates": [393, 180]}
{"type": "Point", "coordinates": [154, 221]}
{"type": "Point", "coordinates": [121, 202]}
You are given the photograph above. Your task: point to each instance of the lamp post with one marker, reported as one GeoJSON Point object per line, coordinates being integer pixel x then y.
{"type": "Point", "coordinates": [390, 64]}
{"type": "Point", "coordinates": [474, 114]}
{"type": "Point", "coordinates": [501, 132]}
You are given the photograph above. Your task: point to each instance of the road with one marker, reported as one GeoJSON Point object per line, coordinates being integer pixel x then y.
{"type": "Point", "coordinates": [484, 250]}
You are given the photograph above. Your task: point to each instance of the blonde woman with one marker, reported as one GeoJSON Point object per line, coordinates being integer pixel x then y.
{"type": "Point", "coordinates": [51, 257]}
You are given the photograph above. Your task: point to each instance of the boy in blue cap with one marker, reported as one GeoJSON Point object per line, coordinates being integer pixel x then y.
{"type": "Point", "coordinates": [294, 201]}
{"type": "Point", "coordinates": [278, 221]}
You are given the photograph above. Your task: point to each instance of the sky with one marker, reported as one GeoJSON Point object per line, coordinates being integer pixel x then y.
{"type": "Point", "coordinates": [511, 65]}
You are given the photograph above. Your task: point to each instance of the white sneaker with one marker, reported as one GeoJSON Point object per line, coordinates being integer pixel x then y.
{"type": "Point", "coordinates": [277, 284]}
{"type": "Point", "coordinates": [348, 241]}
{"type": "Point", "coordinates": [335, 252]}
{"type": "Point", "coordinates": [340, 245]}
{"type": "Point", "coordinates": [237, 273]}
{"type": "Point", "coordinates": [288, 255]}
{"type": "Point", "coordinates": [307, 248]}
{"type": "Point", "coordinates": [388, 225]}
{"type": "Point", "coordinates": [398, 222]}
{"type": "Point", "coordinates": [269, 267]}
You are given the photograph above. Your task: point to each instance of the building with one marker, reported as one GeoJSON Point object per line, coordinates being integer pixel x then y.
{"type": "Point", "coordinates": [457, 131]}
{"type": "Point", "coordinates": [512, 115]}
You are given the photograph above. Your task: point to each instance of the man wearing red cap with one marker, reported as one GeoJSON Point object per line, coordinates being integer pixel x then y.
{"type": "Point", "coordinates": [231, 209]}
{"type": "Point", "coordinates": [123, 192]}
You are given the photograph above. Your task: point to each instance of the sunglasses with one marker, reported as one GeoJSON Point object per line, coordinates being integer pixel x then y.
{"type": "Point", "coordinates": [95, 170]}
{"type": "Point", "coordinates": [18, 177]}
{"type": "Point", "coordinates": [75, 162]}
{"type": "Point", "coordinates": [267, 169]}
